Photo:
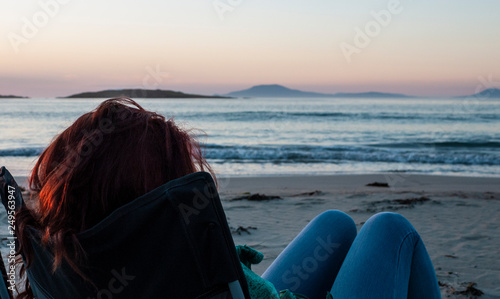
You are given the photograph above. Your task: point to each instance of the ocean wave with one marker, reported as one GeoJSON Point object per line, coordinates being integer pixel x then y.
{"type": "Point", "coordinates": [443, 144]}
{"type": "Point", "coordinates": [21, 152]}
{"type": "Point", "coordinates": [343, 154]}
{"type": "Point", "coordinates": [452, 153]}
{"type": "Point", "coordinates": [319, 115]}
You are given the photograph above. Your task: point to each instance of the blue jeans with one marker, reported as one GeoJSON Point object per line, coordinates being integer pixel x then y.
{"type": "Point", "coordinates": [387, 259]}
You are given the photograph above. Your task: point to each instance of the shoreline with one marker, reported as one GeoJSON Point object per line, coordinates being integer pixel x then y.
{"type": "Point", "coordinates": [396, 182]}
{"type": "Point", "coordinates": [350, 181]}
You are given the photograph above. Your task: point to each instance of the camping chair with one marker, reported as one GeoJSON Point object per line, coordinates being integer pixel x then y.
{"type": "Point", "coordinates": [173, 242]}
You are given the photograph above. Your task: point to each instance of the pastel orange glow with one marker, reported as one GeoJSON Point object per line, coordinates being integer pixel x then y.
{"type": "Point", "coordinates": [432, 48]}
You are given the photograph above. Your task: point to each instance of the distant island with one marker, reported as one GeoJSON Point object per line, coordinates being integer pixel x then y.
{"type": "Point", "coordinates": [140, 93]}
{"type": "Point", "coordinates": [275, 90]}
{"type": "Point", "coordinates": [493, 93]}
{"type": "Point", "coordinates": [12, 97]}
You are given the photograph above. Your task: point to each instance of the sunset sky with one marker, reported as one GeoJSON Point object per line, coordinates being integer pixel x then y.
{"type": "Point", "coordinates": [434, 48]}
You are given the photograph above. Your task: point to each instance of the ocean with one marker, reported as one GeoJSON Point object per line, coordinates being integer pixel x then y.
{"type": "Point", "coordinates": [294, 136]}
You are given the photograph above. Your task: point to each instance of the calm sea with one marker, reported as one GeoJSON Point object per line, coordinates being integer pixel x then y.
{"type": "Point", "coordinates": [282, 136]}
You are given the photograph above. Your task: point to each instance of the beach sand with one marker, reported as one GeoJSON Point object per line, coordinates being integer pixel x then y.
{"type": "Point", "coordinates": [459, 223]}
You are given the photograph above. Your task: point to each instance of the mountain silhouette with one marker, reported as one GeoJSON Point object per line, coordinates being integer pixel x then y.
{"type": "Point", "coordinates": [275, 90]}
{"type": "Point", "coordinates": [487, 93]}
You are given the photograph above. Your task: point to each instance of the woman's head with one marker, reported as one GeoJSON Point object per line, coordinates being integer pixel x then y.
{"type": "Point", "coordinates": [106, 158]}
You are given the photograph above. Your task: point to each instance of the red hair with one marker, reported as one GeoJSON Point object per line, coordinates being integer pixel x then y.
{"type": "Point", "coordinates": [105, 159]}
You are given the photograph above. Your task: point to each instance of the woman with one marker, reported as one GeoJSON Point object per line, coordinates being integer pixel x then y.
{"type": "Point", "coordinates": [85, 174]}
{"type": "Point", "coordinates": [105, 159]}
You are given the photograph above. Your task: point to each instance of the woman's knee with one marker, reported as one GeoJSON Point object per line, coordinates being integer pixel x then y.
{"type": "Point", "coordinates": [334, 215]}
{"type": "Point", "coordinates": [336, 220]}
{"type": "Point", "coordinates": [390, 221]}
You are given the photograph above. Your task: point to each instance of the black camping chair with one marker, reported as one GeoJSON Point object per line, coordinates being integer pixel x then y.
{"type": "Point", "coordinates": [173, 242]}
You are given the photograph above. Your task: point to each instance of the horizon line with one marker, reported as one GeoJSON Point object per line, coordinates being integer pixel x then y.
{"type": "Point", "coordinates": [271, 84]}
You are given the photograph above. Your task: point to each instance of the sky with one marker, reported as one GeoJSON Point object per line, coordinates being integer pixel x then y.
{"type": "Point", "coordinates": [52, 48]}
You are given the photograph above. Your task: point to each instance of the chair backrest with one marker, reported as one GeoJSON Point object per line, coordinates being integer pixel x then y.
{"type": "Point", "coordinates": [173, 242]}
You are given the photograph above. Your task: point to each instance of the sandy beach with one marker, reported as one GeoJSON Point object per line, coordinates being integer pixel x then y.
{"type": "Point", "coordinates": [459, 223]}
{"type": "Point", "coordinates": [457, 217]}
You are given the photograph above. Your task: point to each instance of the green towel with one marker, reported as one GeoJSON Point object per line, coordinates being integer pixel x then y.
{"type": "Point", "coordinates": [258, 286]}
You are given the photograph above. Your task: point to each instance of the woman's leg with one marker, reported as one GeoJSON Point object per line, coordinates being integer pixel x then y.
{"type": "Point", "coordinates": [309, 264]}
{"type": "Point", "coordinates": [387, 260]}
